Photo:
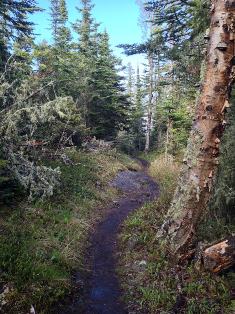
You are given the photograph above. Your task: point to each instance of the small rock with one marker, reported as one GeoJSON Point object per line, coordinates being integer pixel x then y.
{"type": "Point", "coordinates": [143, 263]}
{"type": "Point", "coordinates": [140, 266]}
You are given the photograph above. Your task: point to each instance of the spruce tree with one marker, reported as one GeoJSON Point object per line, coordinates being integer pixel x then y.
{"type": "Point", "coordinates": [179, 20]}
{"type": "Point", "coordinates": [14, 23]}
{"type": "Point", "coordinates": [86, 28]}
{"type": "Point", "coordinates": [108, 110]}
{"type": "Point", "coordinates": [138, 114]}
{"type": "Point", "coordinates": [22, 50]}
{"type": "Point", "coordinates": [86, 51]}
{"type": "Point", "coordinates": [59, 20]}
{"type": "Point", "coordinates": [55, 16]}
{"type": "Point", "coordinates": [55, 61]}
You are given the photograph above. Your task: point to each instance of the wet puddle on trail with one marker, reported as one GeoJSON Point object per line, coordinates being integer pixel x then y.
{"type": "Point", "coordinates": [129, 181]}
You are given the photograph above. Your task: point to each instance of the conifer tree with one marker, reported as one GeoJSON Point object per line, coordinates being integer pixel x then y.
{"type": "Point", "coordinates": [59, 20]}
{"type": "Point", "coordinates": [55, 17]}
{"type": "Point", "coordinates": [86, 51]}
{"type": "Point", "coordinates": [86, 28]}
{"type": "Point", "coordinates": [179, 20]}
{"type": "Point", "coordinates": [109, 106]}
{"type": "Point", "coordinates": [55, 61]}
{"type": "Point", "coordinates": [22, 50]}
{"type": "Point", "coordinates": [14, 23]}
{"type": "Point", "coordinates": [138, 114]}
{"type": "Point", "coordinates": [64, 35]}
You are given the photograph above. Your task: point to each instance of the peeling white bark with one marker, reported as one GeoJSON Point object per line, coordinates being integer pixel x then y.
{"type": "Point", "coordinates": [201, 159]}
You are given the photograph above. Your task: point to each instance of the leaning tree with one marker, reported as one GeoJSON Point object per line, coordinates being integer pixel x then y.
{"type": "Point", "coordinates": [201, 159]}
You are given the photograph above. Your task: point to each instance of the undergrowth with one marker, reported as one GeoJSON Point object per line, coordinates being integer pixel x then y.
{"type": "Point", "coordinates": [43, 243]}
{"type": "Point", "coordinates": [150, 278]}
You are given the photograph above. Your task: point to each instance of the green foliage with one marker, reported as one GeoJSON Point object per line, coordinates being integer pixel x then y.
{"type": "Point", "coordinates": [52, 94]}
{"type": "Point", "coordinates": [108, 109]}
{"type": "Point", "coordinates": [174, 118]}
{"type": "Point", "coordinates": [30, 129]}
{"type": "Point", "coordinates": [60, 53]}
{"type": "Point", "coordinates": [179, 20]}
{"type": "Point", "coordinates": [86, 70]}
{"type": "Point", "coordinates": [137, 123]}
{"type": "Point", "coordinates": [125, 142]}
{"type": "Point", "coordinates": [9, 188]}
{"type": "Point", "coordinates": [86, 28]}
{"type": "Point", "coordinates": [176, 49]}
{"type": "Point", "coordinates": [224, 194]}
{"type": "Point", "coordinates": [14, 24]}
{"type": "Point", "coordinates": [59, 19]}
{"type": "Point", "coordinates": [218, 222]}
{"type": "Point", "coordinates": [131, 139]}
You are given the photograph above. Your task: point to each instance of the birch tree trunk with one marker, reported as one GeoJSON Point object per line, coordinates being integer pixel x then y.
{"type": "Point", "coordinates": [203, 149]}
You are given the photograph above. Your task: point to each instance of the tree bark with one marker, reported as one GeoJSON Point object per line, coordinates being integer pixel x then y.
{"type": "Point", "coordinates": [201, 160]}
{"type": "Point", "coordinates": [220, 256]}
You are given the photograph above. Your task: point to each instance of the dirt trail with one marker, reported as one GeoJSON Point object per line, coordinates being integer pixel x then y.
{"type": "Point", "coordinates": [103, 289]}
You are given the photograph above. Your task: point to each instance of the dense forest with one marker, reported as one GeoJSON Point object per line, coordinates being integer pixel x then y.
{"type": "Point", "coordinates": [117, 183]}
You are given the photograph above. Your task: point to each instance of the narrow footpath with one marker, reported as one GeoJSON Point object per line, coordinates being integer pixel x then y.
{"type": "Point", "coordinates": [103, 292]}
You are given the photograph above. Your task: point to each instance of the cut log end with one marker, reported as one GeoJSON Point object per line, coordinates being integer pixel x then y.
{"type": "Point", "coordinates": [220, 256]}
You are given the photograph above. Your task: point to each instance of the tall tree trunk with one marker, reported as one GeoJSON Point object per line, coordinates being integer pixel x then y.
{"type": "Point", "coordinates": [148, 131]}
{"type": "Point", "coordinates": [201, 158]}
{"type": "Point", "coordinates": [150, 103]}
{"type": "Point", "coordinates": [168, 138]}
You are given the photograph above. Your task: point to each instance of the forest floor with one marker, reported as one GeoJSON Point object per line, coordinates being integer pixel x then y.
{"type": "Point", "coordinates": [103, 292]}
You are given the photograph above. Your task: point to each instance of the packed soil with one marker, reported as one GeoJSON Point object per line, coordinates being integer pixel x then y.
{"type": "Point", "coordinates": [102, 290]}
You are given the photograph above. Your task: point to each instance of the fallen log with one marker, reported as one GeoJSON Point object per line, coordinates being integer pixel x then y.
{"type": "Point", "coordinates": [219, 256]}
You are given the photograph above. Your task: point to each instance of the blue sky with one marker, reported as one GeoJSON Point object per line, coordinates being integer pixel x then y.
{"type": "Point", "coordinates": [120, 18]}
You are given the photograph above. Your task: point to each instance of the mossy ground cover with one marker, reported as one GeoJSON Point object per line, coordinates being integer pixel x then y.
{"type": "Point", "coordinates": [42, 244]}
{"type": "Point", "coordinates": [152, 281]}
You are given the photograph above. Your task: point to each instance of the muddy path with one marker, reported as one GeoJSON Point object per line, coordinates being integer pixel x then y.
{"type": "Point", "coordinates": [102, 291]}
